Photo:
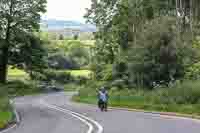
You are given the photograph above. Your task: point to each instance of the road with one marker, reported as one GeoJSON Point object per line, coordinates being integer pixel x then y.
{"type": "Point", "coordinates": [54, 113]}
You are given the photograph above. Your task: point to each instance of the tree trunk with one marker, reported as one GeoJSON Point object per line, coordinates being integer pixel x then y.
{"type": "Point", "coordinates": [3, 65]}
{"type": "Point", "coordinates": [4, 55]}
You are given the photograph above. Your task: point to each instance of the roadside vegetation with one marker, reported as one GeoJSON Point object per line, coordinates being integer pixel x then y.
{"type": "Point", "coordinates": [6, 114]}
{"type": "Point", "coordinates": [147, 55]}
{"type": "Point", "coordinates": [180, 97]}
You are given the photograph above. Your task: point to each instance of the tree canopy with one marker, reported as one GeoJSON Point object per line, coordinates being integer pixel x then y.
{"type": "Point", "coordinates": [17, 17]}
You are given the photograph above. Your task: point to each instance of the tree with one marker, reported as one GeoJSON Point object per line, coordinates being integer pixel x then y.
{"type": "Point", "coordinates": [16, 16]}
{"type": "Point", "coordinates": [61, 37]}
{"type": "Point", "coordinates": [30, 55]}
{"type": "Point", "coordinates": [111, 19]}
{"type": "Point", "coordinates": [159, 55]}
{"type": "Point", "coordinates": [76, 37]}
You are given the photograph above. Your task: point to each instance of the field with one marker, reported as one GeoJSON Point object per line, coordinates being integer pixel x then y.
{"type": "Point", "coordinates": [81, 73]}
{"type": "Point", "coordinates": [17, 74]}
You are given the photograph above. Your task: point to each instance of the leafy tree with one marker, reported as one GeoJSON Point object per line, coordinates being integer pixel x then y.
{"type": "Point", "coordinates": [30, 55]}
{"type": "Point", "coordinates": [16, 16]}
{"type": "Point", "coordinates": [61, 37]}
{"type": "Point", "coordinates": [76, 37]}
{"type": "Point", "coordinates": [79, 54]}
{"type": "Point", "coordinates": [159, 55]}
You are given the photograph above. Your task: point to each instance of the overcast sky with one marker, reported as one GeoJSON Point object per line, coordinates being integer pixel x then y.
{"type": "Point", "coordinates": [67, 9]}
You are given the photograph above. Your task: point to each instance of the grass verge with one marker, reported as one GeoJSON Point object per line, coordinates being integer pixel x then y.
{"type": "Point", "coordinates": [125, 103]}
{"type": "Point", "coordinates": [5, 118]}
{"type": "Point", "coordinates": [181, 98]}
{"type": "Point", "coordinates": [6, 115]}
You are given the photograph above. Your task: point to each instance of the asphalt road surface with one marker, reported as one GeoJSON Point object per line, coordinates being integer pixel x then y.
{"type": "Point", "coordinates": [54, 113]}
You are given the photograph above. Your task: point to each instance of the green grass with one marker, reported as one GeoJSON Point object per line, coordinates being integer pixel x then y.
{"type": "Point", "coordinates": [79, 73]}
{"type": "Point", "coordinates": [6, 114]}
{"type": "Point", "coordinates": [133, 103]}
{"type": "Point", "coordinates": [89, 43]}
{"type": "Point", "coordinates": [17, 74]}
{"type": "Point", "coordinates": [183, 98]}
{"type": "Point", "coordinates": [5, 118]}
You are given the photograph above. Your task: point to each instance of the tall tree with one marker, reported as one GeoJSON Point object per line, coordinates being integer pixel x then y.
{"type": "Point", "coordinates": [16, 16]}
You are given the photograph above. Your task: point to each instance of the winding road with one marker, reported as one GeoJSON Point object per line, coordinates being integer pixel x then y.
{"type": "Point", "coordinates": [54, 113]}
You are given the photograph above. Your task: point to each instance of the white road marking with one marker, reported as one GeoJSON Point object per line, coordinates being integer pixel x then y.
{"type": "Point", "coordinates": [6, 130]}
{"type": "Point", "coordinates": [81, 117]}
{"type": "Point", "coordinates": [179, 118]}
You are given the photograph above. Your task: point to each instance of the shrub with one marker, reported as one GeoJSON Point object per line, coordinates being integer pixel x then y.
{"type": "Point", "coordinates": [193, 72]}
{"type": "Point", "coordinates": [59, 76]}
{"type": "Point", "coordinates": [158, 54]}
{"type": "Point", "coordinates": [187, 92]}
{"type": "Point", "coordinates": [90, 88]}
{"type": "Point", "coordinates": [19, 88]}
{"type": "Point", "coordinates": [4, 104]}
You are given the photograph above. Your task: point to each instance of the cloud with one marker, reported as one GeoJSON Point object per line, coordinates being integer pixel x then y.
{"type": "Point", "coordinates": [67, 9]}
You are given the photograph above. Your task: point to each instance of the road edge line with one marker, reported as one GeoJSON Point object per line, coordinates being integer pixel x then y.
{"type": "Point", "coordinates": [91, 128]}
{"type": "Point", "coordinates": [169, 114]}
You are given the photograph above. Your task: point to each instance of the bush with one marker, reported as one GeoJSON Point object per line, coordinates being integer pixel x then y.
{"type": "Point", "coordinates": [187, 92]}
{"type": "Point", "coordinates": [193, 72]}
{"type": "Point", "coordinates": [19, 88]}
{"type": "Point", "coordinates": [160, 54]}
{"type": "Point", "coordinates": [4, 104]}
{"type": "Point", "coordinates": [120, 84]}
{"type": "Point", "coordinates": [59, 61]}
{"type": "Point", "coordinates": [90, 88]}
{"type": "Point", "coordinates": [58, 76]}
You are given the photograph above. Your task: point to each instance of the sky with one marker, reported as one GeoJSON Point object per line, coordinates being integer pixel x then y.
{"type": "Point", "coordinates": [67, 9]}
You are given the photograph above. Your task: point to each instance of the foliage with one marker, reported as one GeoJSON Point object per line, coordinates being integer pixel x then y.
{"type": "Point", "coordinates": [79, 54]}
{"type": "Point", "coordinates": [76, 37]}
{"type": "Point", "coordinates": [18, 18]}
{"type": "Point", "coordinates": [30, 55]}
{"type": "Point", "coordinates": [182, 97]}
{"type": "Point", "coordinates": [193, 72]}
{"type": "Point", "coordinates": [60, 61]}
{"type": "Point", "coordinates": [159, 55]}
{"type": "Point", "coordinates": [61, 37]}
{"type": "Point", "coordinates": [57, 76]}
{"type": "Point", "coordinates": [20, 88]}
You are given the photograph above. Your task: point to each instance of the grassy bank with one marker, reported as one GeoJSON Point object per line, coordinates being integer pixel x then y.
{"type": "Point", "coordinates": [132, 103]}
{"type": "Point", "coordinates": [5, 118]}
{"type": "Point", "coordinates": [181, 98]}
{"type": "Point", "coordinates": [6, 115]}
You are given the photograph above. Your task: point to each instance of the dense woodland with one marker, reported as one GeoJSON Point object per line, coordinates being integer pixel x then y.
{"type": "Point", "coordinates": [146, 42]}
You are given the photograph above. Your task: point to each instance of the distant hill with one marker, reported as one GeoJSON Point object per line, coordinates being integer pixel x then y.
{"type": "Point", "coordinates": [53, 24]}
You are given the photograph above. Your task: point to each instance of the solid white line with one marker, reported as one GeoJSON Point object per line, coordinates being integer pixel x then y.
{"type": "Point", "coordinates": [91, 128]}
{"type": "Point", "coordinates": [100, 128]}
{"type": "Point", "coordinates": [6, 130]}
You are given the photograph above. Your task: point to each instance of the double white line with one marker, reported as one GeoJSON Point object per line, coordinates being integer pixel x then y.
{"type": "Point", "coordinates": [86, 120]}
